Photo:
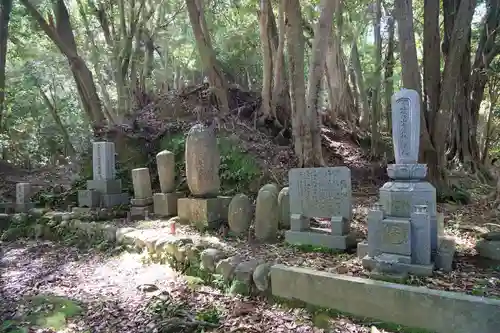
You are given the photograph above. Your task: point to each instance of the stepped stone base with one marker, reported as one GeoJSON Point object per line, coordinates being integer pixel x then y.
{"type": "Point", "coordinates": [141, 202]}
{"type": "Point", "coordinates": [319, 239]}
{"type": "Point", "coordinates": [24, 207]}
{"type": "Point", "coordinates": [140, 211]}
{"type": "Point", "coordinates": [399, 267]}
{"type": "Point", "coordinates": [112, 200]}
{"type": "Point", "coordinates": [89, 198]}
{"type": "Point", "coordinates": [203, 212]}
{"type": "Point", "coordinates": [110, 186]}
{"type": "Point", "coordinates": [165, 204]}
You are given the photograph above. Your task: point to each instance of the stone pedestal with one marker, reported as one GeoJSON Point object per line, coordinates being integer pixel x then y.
{"type": "Point", "coordinates": [203, 212]}
{"type": "Point", "coordinates": [143, 194]}
{"type": "Point", "coordinates": [320, 193]}
{"type": "Point", "coordinates": [402, 227]}
{"type": "Point", "coordinates": [165, 204]}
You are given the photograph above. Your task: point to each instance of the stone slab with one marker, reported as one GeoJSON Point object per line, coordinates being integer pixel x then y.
{"type": "Point", "coordinates": [395, 236]}
{"type": "Point", "coordinates": [319, 239]}
{"type": "Point", "coordinates": [105, 186]}
{"type": "Point", "coordinates": [405, 106]}
{"type": "Point", "coordinates": [445, 254]}
{"type": "Point", "coordinates": [340, 225]}
{"type": "Point", "coordinates": [103, 160]}
{"type": "Point", "coordinates": [141, 202]}
{"type": "Point", "coordinates": [23, 192]}
{"type": "Point", "coordinates": [24, 207]}
{"type": "Point", "coordinates": [420, 270]}
{"type": "Point", "coordinates": [7, 207]}
{"type": "Point", "coordinates": [418, 307]}
{"type": "Point", "coordinates": [489, 249]}
{"type": "Point", "coordinates": [81, 210]}
{"type": "Point", "coordinates": [89, 198]}
{"type": "Point", "coordinates": [141, 180]}
{"type": "Point", "coordinates": [165, 204]}
{"type": "Point", "coordinates": [140, 211]}
{"type": "Point", "coordinates": [112, 200]}
{"type": "Point", "coordinates": [362, 249]}
{"type": "Point", "coordinates": [321, 192]}
{"type": "Point", "coordinates": [299, 222]}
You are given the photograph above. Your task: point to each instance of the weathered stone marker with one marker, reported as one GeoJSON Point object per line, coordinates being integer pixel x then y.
{"type": "Point", "coordinates": [103, 190]}
{"type": "Point", "coordinates": [267, 213]}
{"type": "Point", "coordinates": [23, 197]}
{"type": "Point", "coordinates": [202, 162]}
{"type": "Point", "coordinates": [165, 203]}
{"type": "Point", "coordinates": [143, 194]}
{"type": "Point", "coordinates": [202, 157]}
{"type": "Point", "coordinates": [320, 193]}
{"type": "Point", "coordinates": [240, 214]}
{"type": "Point", "coordinates": [402, 227]}
{"type": "Point", "coordinates": [284, 208]}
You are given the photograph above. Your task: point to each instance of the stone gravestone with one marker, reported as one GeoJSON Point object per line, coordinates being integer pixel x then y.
{"type": "Point", "coordinates": [402, 227]}
{"type": "Point", "coordinates": [165, 203]}
{"type": "Point", "coordinates": [202, 157]}
{"type": "Point", "coordinates": [23, 197]}
{"type": "Point", "coordinates": [320, 193]}
{"type": "Point", "coordinates": [143, 193]}
{"type": "Point", "coordinates": [103, 190]}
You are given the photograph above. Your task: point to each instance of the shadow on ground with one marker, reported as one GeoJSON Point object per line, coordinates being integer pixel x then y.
{"type": "Point", "coordinates": [44, 285]}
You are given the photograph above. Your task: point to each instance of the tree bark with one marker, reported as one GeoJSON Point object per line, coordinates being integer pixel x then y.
{"type": "Point", "coordinates": [316, 69]}
{"type": "Point", "coordinates": [5, 9]}
{"type": "Point", "coordinates": [62, 35]}
{"type": "Point", "coordinates": [390, 62]}
{"type": "Point", "coordinates": [211, 66]}
{"type": "Point", "coordinates": [267, 59]}
{"type": "Point", "coordinates": [377, 79]}
{"type": "Point", "coordinates": [403, 11]}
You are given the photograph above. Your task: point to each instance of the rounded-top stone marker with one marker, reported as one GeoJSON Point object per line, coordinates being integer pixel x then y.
{"type": "Point", "coordinates": [165, 161]}
{"type": "Point", "coordinates": [202, 162]}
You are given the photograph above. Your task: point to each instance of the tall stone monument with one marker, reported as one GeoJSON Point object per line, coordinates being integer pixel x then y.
{"type": "Point", "coordinates": [205, 208]}
{"type": "Point", "coordinates": [402, 227]}
{"type": "Point", "coordinates": [320, 193]}
{"type": "Point", "coordinates": [165, 202]}
{"type": "Point", "coordinates": [104, 190]}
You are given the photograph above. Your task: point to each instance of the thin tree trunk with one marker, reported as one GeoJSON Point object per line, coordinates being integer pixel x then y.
{"type": "Point", "coordinates": [389, 72]}
{"type": "Point", "coordinates": [5, 9]}
{"type": "Point", "coordinates": [211, 66]}
{"type": "Point", "coordinates": [377, 80]}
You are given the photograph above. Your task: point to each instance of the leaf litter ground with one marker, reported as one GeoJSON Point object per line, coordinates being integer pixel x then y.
{"type": "Point", "coordinates": [49, 288]}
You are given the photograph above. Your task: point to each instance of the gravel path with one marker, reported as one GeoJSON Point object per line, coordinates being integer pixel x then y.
{"type": "Point", "coordinates": [113, 292]}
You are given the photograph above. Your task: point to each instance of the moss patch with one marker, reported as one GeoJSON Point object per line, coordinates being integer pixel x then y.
{"type": "Point", "coordinates": [43, 311]}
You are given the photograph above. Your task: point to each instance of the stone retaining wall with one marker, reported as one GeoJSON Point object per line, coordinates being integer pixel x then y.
{"type": "Point", "coordinates": [419, 307]}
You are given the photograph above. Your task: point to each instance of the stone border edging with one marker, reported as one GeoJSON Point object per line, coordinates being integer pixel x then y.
{"type": "Point", "coordinates": [419, 307]}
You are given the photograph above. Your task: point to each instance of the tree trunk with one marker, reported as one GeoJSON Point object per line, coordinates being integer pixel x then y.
{"type": "Point", "coordinates": [5, 9]}
{"type": "Point", "coordinates": [316, 69]}
{"type": "Point", "coordinates": [267, 59]}
{"type": "Point", "coordinates": [211, 66]}
{"type": "Point", "coordinates": [281, 88]}
{"type": "Point", "coordinates": [389, 72]}
{"type": "Point", "coordinates": [364, 119]}
{"type": "Point", "coordinates": [377, 80]}
{"type": "Point", "coordinates": [411, 80]}
{"type": "Point", "coordinates": [454, 88]}
{"type": "Point", "coordinates": [62, 35]}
